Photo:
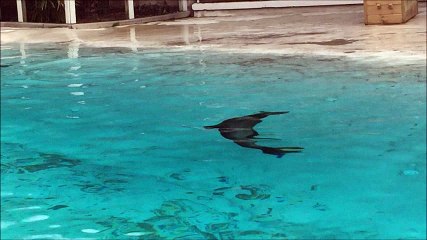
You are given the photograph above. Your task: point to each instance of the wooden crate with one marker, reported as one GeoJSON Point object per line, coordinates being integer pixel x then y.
{"type": "Point", "coordinates": [389, 11]}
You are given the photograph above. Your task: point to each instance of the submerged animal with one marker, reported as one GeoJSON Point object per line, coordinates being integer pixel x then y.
{"type": "Point", "coordinates": [241, 131]}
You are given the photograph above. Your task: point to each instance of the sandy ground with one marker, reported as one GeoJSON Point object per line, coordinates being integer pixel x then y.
{"type": "Point", "coordinates": [335, 30]}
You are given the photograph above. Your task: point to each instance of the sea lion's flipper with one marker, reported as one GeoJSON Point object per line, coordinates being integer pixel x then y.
{"type": "Point", "coordinates": [274, 113]}
{"type": "Point", "coordinates": [291, 149]}
{"type": "Point", "coordinates": [211, 127]}
{"type": "Point", "coordinates": [263, 114]}
{"type": "Point", "coordinates": [280, 151]}
{"type": "Point", "coordinates": [273, 151]}
{"type": "Point", "coordinates": [264, 138]}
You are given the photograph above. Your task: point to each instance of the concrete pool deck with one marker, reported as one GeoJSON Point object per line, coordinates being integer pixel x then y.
{"type": "Point", "coordinates": [334, 30]}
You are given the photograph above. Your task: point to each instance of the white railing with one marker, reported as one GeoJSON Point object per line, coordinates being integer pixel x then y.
{"type": "Point", "coordinates": [270, 4]}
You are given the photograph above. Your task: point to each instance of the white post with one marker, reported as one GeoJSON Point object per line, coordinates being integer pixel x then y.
{"type": "Point", "coordinates": [22, 11]}
{"type": "Point", "coordinates": [183, 5]}
{"type": "Point", "coordinates": [129, 9]}
{"type": "Point", "coordinates": [70, 11]}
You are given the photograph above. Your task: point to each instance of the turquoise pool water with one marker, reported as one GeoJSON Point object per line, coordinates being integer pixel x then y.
{"type": "Point", "coordinates": [111, 145]}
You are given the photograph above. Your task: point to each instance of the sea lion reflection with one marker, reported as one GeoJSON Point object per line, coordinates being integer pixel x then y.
{"type": "Point", "coordinates": [241, 131]}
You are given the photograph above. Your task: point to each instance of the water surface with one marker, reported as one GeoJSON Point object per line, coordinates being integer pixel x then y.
{"type": "Point", "coordinates": [111, 145]}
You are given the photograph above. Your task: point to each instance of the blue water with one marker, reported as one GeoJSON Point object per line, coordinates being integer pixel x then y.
{"type": "Point", "coordinates": [111, 145]}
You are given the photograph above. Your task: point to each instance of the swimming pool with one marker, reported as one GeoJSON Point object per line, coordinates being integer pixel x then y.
{"type": "Point", "coordinates": [111, 145]}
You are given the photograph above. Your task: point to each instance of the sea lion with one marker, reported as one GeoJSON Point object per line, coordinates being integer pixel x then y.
{"type": "Point", "coordinates": [241, 131]}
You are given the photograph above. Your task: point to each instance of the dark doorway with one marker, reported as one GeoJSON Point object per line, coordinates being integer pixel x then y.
{"type": "Point", "coordinates": [147, 8]}
{"type": "Point", "coordinates": [45, 11]}
{"type": "Point", "coordinates": [100, 10]}
{"type": "Point", "coordinates": [8, 11]}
